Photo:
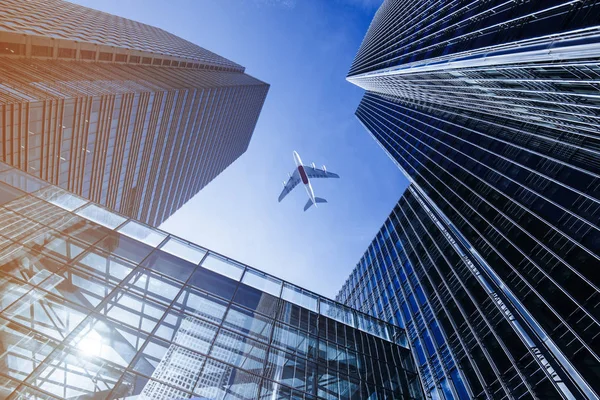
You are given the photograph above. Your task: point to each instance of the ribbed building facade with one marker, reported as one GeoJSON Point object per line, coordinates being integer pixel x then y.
{"type": "Point", "coordinates": [122, 113]}
{"type": "Point", "coordinates": [490, 108]}
{"type": "Point", "coordinates": [95, 305]}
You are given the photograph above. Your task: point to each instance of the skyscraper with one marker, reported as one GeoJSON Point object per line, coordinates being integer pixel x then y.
{"type": "Point", "coordinates": [490, 108]}
{"type": "Point", "coordinates": [97, 305]}
{"type": "Point", "coordinates": [119, 112]}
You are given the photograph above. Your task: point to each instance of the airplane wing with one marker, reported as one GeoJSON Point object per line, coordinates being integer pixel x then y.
{"type": "Point", "coordinates": [290, 184]}
{"type": "Point", "coordinates": [319, 173]}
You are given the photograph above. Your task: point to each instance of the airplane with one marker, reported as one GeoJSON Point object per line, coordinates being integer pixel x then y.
{"type": "Point", "coordinates": [302, 173]}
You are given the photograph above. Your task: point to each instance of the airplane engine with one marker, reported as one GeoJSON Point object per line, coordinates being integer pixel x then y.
{"type": "Point", "coordinates": [313, 165]}
{"type": "Point", "coordinates": [324, 169]}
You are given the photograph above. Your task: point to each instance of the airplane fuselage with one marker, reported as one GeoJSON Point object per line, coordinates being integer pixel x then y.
{"type": "Point", "coordinates": [304, 178]}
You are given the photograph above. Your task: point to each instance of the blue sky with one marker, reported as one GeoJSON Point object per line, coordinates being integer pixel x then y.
{"type": "Point", "coordinates": [303, 49]}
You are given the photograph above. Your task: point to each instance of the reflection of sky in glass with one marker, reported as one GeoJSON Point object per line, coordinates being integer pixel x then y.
{"type": "Point", "coordinates": [104, 323]}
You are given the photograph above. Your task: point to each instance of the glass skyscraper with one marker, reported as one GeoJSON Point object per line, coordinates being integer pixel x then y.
{"type": "Point", "coordinates": [491, 258]}
{"type": "Point", "coordinates": [94, 305]}
{"type": "Point", "coordinates": [122, 113]}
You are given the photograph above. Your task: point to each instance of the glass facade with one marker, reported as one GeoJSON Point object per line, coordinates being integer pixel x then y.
{"type": "Point", "coordinates": [94, 305]}
{"type": "Point", "coordinates": [138, 137]}
{"type": "Point", "coordinates": [492, 255]}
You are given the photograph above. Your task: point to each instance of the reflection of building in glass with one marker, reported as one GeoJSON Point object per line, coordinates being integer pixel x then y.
{"type": "Point", "coordinates": [119, 112]}
{"type": "Point", "coordinates": [181, 367]}
{"type": "Point", "coordinates": [490, 260]}
{"type": "Point", "coordinates": [96, 305]}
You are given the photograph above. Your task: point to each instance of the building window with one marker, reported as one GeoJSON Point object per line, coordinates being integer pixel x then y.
{"type": "Point", "coordinates": [146, 60]}
{"type": "Point", "coordinates": [166, 62]}
{"type": "Point", "coordinates": [121, 58]}
{"type": "Point", "coordinates": [134, 59]}
{"type": "Point", "coordinates": [12, 48]}
{"type": "Point", "coordinates": [67, 53]}
{"type": "Point", "coordinates": [157, 61]}
{"type": "Point", "coordinates": [87, 55]}
{"type": "Point", "coordinates": [105, 56]}
{"type": "Point", "coordinates": [41, 51]}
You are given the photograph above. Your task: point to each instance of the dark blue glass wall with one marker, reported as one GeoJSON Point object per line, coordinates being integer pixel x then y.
{"type": "Point", "coordinates": [492, 109]}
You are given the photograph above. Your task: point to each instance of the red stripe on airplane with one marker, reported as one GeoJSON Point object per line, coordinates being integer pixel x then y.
{"type": "Point", "coordinates": [303, 174]}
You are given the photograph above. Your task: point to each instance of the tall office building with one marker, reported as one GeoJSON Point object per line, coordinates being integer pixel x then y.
{"type": "Point", "coordinates": [490, 108]}
{"type": "Point", "coordinates": [94, 305]}
{"type": "Point", "coordinates": [119, 112]}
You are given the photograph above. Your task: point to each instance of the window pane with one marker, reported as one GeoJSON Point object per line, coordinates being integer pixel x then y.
{"type": "Point", "coordinates": [167, 264]}
{"type": "Point", "coordinates": [248, 323]}
{"type": "Point", "coordinates": [221, 381]}
{"type": "Point", "coordinates": [21, 180]}
{"type": "Point", "coordinates": [256, 300]}
{"type": "Point", "coordinates": [262, 282]}
{"type": "Point", "coordinates": [299, 296]}
{"type": "Point", "coordinates": [101, 216]}
{"type": "Point", "coordinates": [105, 266]}
{"type": "Point", "coordinates": [60, 198]}
{"type": "Point", "coordinates": [223, 266]}
{"type": "Point", "coordinates": [149, 284]}
{"type": "Point", "coordinates": [111, 341]}
{"type": "Point", "coordinates": [143, 233]}
{"type": "Point", "coordinates": [8, 193]}
{"type": "Point", "coordinates": [183, 250]}
{"type": "Point", "coordinates": [67, 366]}
{"type": "Point", "coordinates": [36, 209]}
{"type": "Point", "coordinates": [213, 283]}
{"type": "Point", "coordinates": [201, 304]}
{"type": "Point", "coordinates": [133, 310]}
{"type": "Point", "coordinates": [240, 351]}
{"type": "Point", "coordinates": [187, 331]}
{"type": "Point", "coordinates": [125, 247]}
{"type": "Point", "coordinates": [337, 312]}
{"type": "Point", "coordinates": [80, 228]}
{"type": "Point", "coordinates": [45, 313]}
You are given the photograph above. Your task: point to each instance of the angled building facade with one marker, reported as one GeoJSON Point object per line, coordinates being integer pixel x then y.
{"type": "Point", "coordinates": [490, 108]}
{"type": "Point", "coordinates": [122, 113]}
{"type": "Point", "coordinates": [97, 305]}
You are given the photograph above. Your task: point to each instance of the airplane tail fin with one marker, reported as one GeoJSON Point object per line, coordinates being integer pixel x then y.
{"type": "Point", "coordinates": [309, 203]}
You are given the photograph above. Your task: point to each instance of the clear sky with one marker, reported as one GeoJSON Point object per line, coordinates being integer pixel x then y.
{"type": "Point", "coordinates": [303, 49]}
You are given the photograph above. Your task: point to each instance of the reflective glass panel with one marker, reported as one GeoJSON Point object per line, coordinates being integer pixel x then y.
{"type": "Point", "coordinates": [221, 381]}
{"type": "Point", "coordinates": [21, 180]}
{"type": "Point", "coordinates": [183, 249]}
{"type": "Point", "coordinates": [99, 337]}
{"type": "Point", "coordinates": [60, 198]}
{"type": "Point", "coordinates": [299, 296]}
{"type": "Point", "coordinates": [169, 265]}
{"type": "Point", "coordinates": [256, 300]}
{"type": "Point", "coordinates": [101, 216]}
{"type": "Point", "coordinates": [248, 323]}
{"type": "Point", "coordinates": [262, 282]}
{"type": "Point", "coordinates": [223, 266]}
{"type": "Point", "coordinates": [149, 284]}
{"type": "Point", "coordinates": [213, 283]}
{"type": "Point", "coordinates": [9, 193]}
{"type": "Point", "coordinates": [143, 233]}
{"type": "Point", "coordinates": [200, 304]}
{"type": "Point", "coordinates": [125, 247]}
